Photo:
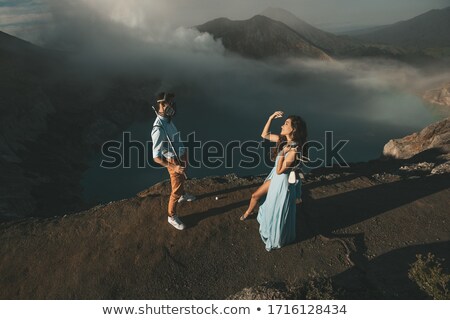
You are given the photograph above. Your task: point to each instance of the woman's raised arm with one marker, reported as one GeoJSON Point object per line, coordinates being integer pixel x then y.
{"type": "Point", "coordinates": [266, 133]}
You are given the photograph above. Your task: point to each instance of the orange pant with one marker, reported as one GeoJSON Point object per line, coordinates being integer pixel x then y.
{"type": "Point", "coordinates": [177, 184]}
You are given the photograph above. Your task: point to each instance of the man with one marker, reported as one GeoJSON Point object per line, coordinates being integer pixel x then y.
{"type": "Point", "coordinates": [169, 152]}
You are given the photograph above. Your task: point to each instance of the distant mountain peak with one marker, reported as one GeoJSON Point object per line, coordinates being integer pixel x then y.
{"type": "Point", "coordinates": [283, 15]}
{"type": "Point", "coordinates": [275, 9]}
{"type": "Point", "coordinates": [259, 18]}
{"type": "Point", "coordinates": [279, 11]}
{"type": "Point", "coordinates": [326, 41]}
{"type": "Point", "coordinates": [261, 37]}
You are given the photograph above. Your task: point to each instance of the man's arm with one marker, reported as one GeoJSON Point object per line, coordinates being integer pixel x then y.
{"type": "Point", "coordinates": [158, 148]}
{"type": "Point", "coordinates": [163, 162]}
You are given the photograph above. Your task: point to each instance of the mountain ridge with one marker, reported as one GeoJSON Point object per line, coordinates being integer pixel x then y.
{"type": "Point", "coordinates": [263, 41]}
{"type": "Point", "coordinates": [330, 42]}
{"type": "Point", "coordinates": [261, 37]}
{"type": "Point", "coordinates": [429, 29]}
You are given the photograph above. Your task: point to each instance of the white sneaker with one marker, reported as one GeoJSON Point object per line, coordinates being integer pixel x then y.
{"type": "Point", "coordinates": [186, 197]}
{"type": "Point", "coordinates": [176, 222]}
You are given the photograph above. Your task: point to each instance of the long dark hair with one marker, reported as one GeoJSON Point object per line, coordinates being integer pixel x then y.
{"type": "Point", "coordinates": [300, 135]}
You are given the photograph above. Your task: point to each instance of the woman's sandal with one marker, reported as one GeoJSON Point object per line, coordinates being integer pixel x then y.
{"type": "Point", "coordinates": [243, 217]}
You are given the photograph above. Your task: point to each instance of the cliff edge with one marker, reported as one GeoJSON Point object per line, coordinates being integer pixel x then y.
{"type": "Point", "coordinates": [362, 226]}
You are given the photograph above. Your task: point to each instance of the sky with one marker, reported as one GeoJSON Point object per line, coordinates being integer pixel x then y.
{"type": "Point", "coordinates": [25, 18]}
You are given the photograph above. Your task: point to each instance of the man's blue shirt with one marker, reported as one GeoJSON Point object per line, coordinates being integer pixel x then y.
{"type": "Point", "coordinates": [161, 147]}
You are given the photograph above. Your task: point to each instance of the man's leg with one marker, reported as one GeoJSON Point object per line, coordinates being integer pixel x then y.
{"type": "Point", "coordinates": [177, 184]}
{"type": "Point", "coordinates": [184, 195]}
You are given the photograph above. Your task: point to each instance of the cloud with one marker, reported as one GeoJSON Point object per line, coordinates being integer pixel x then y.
{"type": "Point", "coordinates": [20, 19]}
{"type": "Point", "coordinates": [179, 56]}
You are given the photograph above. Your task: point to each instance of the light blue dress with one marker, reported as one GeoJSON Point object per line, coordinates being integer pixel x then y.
{"type": "Point", "coordinates": [277, 213]}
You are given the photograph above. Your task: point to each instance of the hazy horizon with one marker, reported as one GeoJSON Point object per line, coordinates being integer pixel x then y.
{"type": "Point", "coordinates": [29, 18]}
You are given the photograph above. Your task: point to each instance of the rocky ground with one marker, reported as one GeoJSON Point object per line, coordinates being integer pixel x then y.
{"type": "Point", "coordinates": [361, 226]}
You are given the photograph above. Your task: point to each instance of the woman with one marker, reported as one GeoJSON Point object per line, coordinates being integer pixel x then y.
{"type": "Point", "coordinates": [277, 213]}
